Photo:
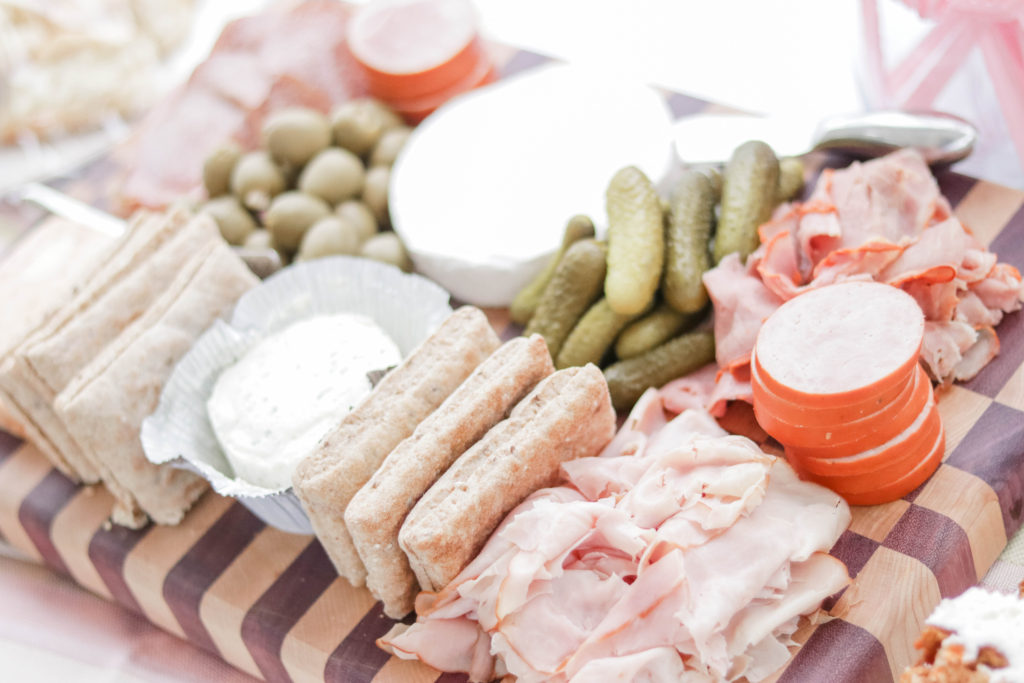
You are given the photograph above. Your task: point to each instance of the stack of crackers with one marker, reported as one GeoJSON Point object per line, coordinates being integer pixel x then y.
{"type": "Point", "coordinates": [82, 369]}
{"type": "Point", "coordinates": [407, 488]}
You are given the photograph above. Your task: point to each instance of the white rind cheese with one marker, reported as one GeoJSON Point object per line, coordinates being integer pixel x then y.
{"type": "Point", "coordinates": [482, 190]}
{"type": "Point", "coordinates": [271, 408]}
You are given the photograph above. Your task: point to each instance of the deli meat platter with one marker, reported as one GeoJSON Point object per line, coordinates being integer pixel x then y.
{"type": "Point", "coordinates": [272, 604]}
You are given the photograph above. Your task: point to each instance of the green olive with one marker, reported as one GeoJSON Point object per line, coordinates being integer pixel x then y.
{"type": "Point", "coordinates": [217, 168]}
{"type": "Point", "coordinates": [358, 124]}
{"type": "Point", "coordinates": [290, 215]}
{"type": "Point", "coordinates": [387, 248]}
{"type": "Point", "coordinates": [255, 180]}
{"type": "Point", "coordinates": [234, 221]}
{"type": "Point", "coordinates": [358, 214]}
{"type": "Point", "coordinates": [334, 175]}
{"type": "Point", "coordinates": [390, 144]}
{"type": "Point", "coordinates": [375, 193]}
{"type": "Point", "coordinates": [327, 237]}
{"type": "Point", "coordinates": [259, 239]}
{"type": "Point", "coordinates": [294, 136]}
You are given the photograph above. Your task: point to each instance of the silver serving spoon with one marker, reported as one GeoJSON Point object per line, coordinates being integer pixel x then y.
{"type": "Point", "coordinates": [942, 138]}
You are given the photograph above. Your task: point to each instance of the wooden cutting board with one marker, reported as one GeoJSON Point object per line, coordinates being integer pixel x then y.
{"type": "Point", "coordinates": [271, 604]}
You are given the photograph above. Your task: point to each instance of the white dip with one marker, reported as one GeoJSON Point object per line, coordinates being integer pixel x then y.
{"type": "Point", "coordinates": [271, 408]}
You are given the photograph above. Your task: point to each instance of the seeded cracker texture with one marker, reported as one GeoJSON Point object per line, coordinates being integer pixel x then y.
{"type": "Point", "coordinates": [348, 456]}
{"type": "Point", "coordinates": [568, 415]}
{"type": "Point", "coordinates": [105, 405]}
{"type": "Point", "coordinates": [377, 511]}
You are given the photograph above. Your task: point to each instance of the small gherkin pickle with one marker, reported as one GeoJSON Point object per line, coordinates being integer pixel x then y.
{"type": "Point", "coordinates": [628, 379]}
{"type": "Point", "coordinates": [522, 308]}
{"type": "Point", "coordinates": [592, 336]}
{"type": "Point", "coordinates": [687, 237]}
{"type": "Point", "coordinates": [714, 177]}
{"type": "Point", "coordinates": [636, 243]}
{"type": "Point", "coordinates": [574, 286]}
{"type": "Point", "coordinates": [654, 329]}
{"type": "Point", "coordinates": [749, 187]}
{"type": "Point", "coordinates": [791, 178]}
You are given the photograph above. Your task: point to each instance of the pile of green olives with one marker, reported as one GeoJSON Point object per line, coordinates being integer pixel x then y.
{"type": "Point", "coordinates": [318, 186]}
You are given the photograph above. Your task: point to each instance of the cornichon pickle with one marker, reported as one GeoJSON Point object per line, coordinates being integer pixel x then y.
{"type": "Point", "coordinates": [628, 379]}
{"type": "Point", "coordinates": [525, 303]}
{"type": "Point", "coordinates": [592, 336]}
{"type": "Point", "coordinates": [714, 177]}
{"type": "Point", "coordinates": [576, 283]}
{"type": "Point", "coordinates": [691, 217]}
{"type": "Point", "coordinates": [654, 329]}
{"type": "Point", "coordinates": [791, 178]}
{"type": "Point", "coordinates": [749, 187]}
{"type": "Point", "coordinates": [636, 242]}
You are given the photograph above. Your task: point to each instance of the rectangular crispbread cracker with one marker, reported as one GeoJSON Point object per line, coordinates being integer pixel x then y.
{"type": "Point", "coordinates": [377, 511]}
{"type": "Point", "coordinates": [46, 362]}
{"type": "Point", "coordinates": [104, 406]}
{"type": "Point", "coordinates": [25, 395]}
{"type": "Point", "coordinates": [567, 416]}
{"type": "Point", "coordinates": [349, 454]}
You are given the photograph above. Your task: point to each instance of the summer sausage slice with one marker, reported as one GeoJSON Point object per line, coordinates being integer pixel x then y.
{"type": "Point", "coordinates": [838, 439]}
{"type": "Point", "coordinates": [841, 344]}
{"type": "Point", "coordinates": [875, 466]}
{"type": "Point", "coordinates": [415, 48]}
{"type": "Point", "coordinates": [814, 412]}
{"type": "Point", "coordinates": [885, 493]}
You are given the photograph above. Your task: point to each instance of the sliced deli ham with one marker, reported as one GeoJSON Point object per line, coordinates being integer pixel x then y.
{"type": "Point", "coordinates": [679, 553]}
{"type": "Point", "coordinates": [882, 220]}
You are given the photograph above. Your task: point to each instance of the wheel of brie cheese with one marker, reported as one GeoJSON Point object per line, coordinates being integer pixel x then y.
{"type": "Point", "coordinates": [482, 190]}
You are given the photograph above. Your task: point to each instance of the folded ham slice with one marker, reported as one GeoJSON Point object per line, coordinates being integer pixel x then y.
{"type": "Point", "coordinates": [679, 553]}
{"type": "Point", "coordinates": [883, 220]}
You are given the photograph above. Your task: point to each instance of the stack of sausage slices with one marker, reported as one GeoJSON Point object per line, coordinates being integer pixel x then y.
{"type": "Point", "coordinates": [836, 381]}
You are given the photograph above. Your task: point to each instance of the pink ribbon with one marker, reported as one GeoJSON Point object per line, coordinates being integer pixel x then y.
{"type": "Point", "coordinates": [996, 27]}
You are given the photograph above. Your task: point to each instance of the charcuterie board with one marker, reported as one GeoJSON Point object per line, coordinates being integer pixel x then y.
{"type": "Point", "coordinates": [271, 604]}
